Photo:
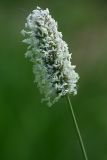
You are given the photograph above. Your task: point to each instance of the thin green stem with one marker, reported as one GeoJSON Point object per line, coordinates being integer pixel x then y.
{"type": "Point", "coordinates": [78, 131]}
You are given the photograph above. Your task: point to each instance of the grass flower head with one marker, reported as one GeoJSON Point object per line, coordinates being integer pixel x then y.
{"type": "Point", "coordinates": [54, 74]}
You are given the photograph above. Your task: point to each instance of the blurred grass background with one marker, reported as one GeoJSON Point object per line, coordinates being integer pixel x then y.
{"type": "Point", "coordinates": [30, 130]}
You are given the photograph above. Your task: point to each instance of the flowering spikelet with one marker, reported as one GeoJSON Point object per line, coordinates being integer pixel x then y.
{"type": "Point", "coordinates": [54, 74]}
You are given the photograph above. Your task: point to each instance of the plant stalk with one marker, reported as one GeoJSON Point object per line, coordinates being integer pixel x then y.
{"type": "Point", "coordinates": [77, 130]}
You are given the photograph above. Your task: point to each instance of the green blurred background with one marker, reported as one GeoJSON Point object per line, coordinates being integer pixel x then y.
{"type": "Point", "coordinates": [30, 130]}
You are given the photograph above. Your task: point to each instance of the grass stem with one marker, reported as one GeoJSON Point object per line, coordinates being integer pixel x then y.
{"type": "Point", "coordinates": [77, 130]}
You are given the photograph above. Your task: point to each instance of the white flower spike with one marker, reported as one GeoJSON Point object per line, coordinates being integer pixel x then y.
{"type": "Point", "coordinates": [54, 74]}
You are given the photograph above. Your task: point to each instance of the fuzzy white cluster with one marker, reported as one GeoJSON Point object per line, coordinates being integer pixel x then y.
{"type": "Point", "coordinates": [54, 74]}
